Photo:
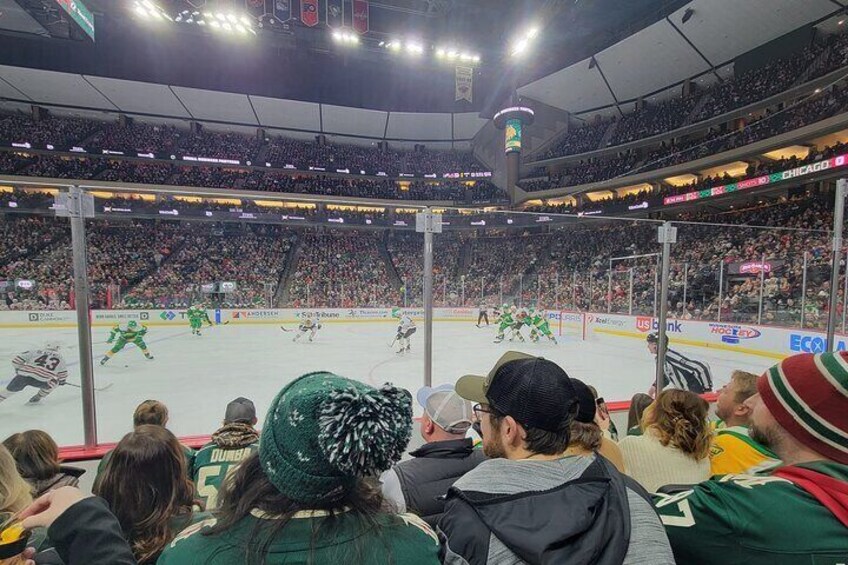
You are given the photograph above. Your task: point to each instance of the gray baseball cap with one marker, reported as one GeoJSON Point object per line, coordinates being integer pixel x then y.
{"type": "Point", "coordinates": [446, 408]}
{"type": "Point", "coordinates": [240, 410]}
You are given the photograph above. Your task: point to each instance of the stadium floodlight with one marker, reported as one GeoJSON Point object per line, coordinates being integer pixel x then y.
{"type": "Point", "coordinates": [519, 47]}
{"type": "Point", "coordinates": [414, 48]}
{"type": "Point", "coordinates": [395, 45]}
{"type": "Point", "coordinates": [337, 35]}
{"type": "Point", "coordinates": [227, 26]}
{"type": "Point", "coordinates": [452, 54]}
{"type": "Point", "coordinates": [139, 9]}
{"type": "Point", "coordinates": [215, 24]}
{"type": "Point", "coordinates": [465, 57]}
{"type": "Point", "coordinates": [245, 21]}
{"type": "Point", "coordinates": [233, 19]}
{"type": "Point", "coordinates": [476, 58]}
{"type": "Point", "coordinates": [532, 32]}
{"type": "Point", "coordinates": [241, 28]}
{"type": "Point", "coordinates": [221, 17]}
{"type": "Point", "coordinates": [440, 53]}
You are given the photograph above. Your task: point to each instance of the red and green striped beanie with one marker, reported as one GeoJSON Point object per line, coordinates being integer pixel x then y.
{"type": "Point", "coordinates": [808, 395]}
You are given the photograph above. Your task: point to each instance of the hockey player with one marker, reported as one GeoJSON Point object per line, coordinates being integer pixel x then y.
{"type": "Point", "coordinates": [122, 336]}
{"type": "Point", "coordinates": [406, 327]}
{"type": "Point", "coordinates": [196, 316]}
{"type": "Point", "coordinates": [680, 371]}
{"type": "Point", "coordinates": [308, 324]}
{"type": "Point", "coordinates": [539, 326]}
{"type": "Point", "coordinates": [43, 369]}
{"type": "Point", "coordinates": [504, 321]}
{"type": "Point", "coordinates": [521, 319]}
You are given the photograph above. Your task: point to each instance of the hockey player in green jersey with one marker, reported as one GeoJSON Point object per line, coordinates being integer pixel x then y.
{"type": "Point", "coordinates": [196, 316]}
{"type": "Point", "coordinates": [504, 321]}
{"type": "Point", "coordinates": [539, 326]}
{"type": "Point", "coordinates": [122, 336]}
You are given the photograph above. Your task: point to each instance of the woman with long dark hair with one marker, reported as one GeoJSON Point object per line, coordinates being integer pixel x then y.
{"type": "Point", "coordinates": [309, 495]}
{"type": "Point", "coordinates": [146, 487]}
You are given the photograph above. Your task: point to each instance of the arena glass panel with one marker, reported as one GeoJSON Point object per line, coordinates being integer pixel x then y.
{"type": "Point", "coordinates": [187, 311]}
{"type": "Point", "coordinates": [39, 384]}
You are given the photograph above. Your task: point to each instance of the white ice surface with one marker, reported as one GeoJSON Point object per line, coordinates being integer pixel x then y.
{"type": "Point", "coordinates": [197, 376]}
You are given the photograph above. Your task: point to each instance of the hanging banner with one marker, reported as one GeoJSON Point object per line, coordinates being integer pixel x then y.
{"type": "Point", "coordinates": [309, 12]}
{"type": "Point", "coordinates": [282, 10]}
{"type": "Point", "coordinates": [335, 13]}
{"type": "Point", "coordinates": [360, 16]}
{"type": "Point", "coordinates": [255, 8]}
{"type": "Point", "coordinates": [464, 83]}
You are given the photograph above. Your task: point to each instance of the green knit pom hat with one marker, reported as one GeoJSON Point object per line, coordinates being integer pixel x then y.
{"type": "Point", "coordinates": [323, 432]}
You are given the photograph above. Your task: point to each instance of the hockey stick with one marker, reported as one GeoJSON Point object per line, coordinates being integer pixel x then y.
{"type": "Point", "coordinates": [100, 389]}
{"type": "Point", "coordinates": [285, 329]}
{"type": "Point", "coordinates": [392, 344]}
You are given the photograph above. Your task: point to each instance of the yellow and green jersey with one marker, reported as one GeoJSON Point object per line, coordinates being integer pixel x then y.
{"type": "Point", "coordinates": [128, 333]}
{"type": "Point", "coordinates": [733, 451]}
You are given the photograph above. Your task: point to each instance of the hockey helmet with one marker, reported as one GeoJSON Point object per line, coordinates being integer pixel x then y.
{"type": "Point", "coordinates": [132, 324]}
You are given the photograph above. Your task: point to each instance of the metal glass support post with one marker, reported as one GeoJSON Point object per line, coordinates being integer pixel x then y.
{"type": "Point", "coordinates": [482, 286]}
{"type": "Point", "coordinates": [77, 211]}
{"type": "Point", "coordinates": [538, 290]}
{"type": "Point", "coordinates": [762, 288]}
{"type": "Point", "coordinates": [630, 295]}
{"type": "Point", "coordinates": [838, 218]}
{"type": "Point", "coordinates": [685, 285]}
{"type": "Point", "coordinates": [656, 284]}
{"type": "Point", "coordinates": [521, 290]}
{"type": "Point", "coordinates": [666, 236]}
{"type": "Point", "coordinates": [720, 288]}
{"type": "Point", "coordinates": [428, 222]}
{"type": "Point", "coordinates": [804, 291]}
{"type": "Point", "coordinates": [556, 290]}
{"type": "Point", "coordinates": [845, 292]}
{"type": "Point", "coordinates": [609, 288]}
{"type": "Point", "coordinates": [589, 307]}
{"type": "Point", "coordinates": [500, 292]}
{"type": "Point", "coordinates": [461, 291]}
{"type": "Point", "coordinates": [574, 291]}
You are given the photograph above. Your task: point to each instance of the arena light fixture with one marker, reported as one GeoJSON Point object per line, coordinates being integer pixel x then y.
{"type": "Point", "coordinates": [345, 37]}
{"type": "Point", "coordinates": [522, 43]}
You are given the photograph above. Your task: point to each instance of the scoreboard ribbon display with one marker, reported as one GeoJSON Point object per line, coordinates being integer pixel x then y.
{"type": "Point", "coordinates": [361, 16]}
{"type": "Point", "coordinates": [309, 12]}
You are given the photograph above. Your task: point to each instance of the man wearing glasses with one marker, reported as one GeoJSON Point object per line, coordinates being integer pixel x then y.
{"type": "Point", "coordinates": [538, 500]}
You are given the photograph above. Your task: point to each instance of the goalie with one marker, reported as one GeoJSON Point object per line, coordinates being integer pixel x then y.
{"type": "Point", "coordinates": [43, 369]}
{"type": "Point", "coordinates": [308, 325]}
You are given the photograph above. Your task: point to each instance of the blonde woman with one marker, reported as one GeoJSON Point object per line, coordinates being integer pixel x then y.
{"type": "Point", "coordinates": [14, 496]}
{"type": "Point", "coordinates": [15, 492]}
{"type": "Point", "coordinates": [675, 445]}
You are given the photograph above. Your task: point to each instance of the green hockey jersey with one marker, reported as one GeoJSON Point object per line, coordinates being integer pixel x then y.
{"type": "Point", "coordinates": [219, 458]}
{"type": "Point", "coordinates": [309, 537]}
{"type": "Point", "coordinates": [759, 520]}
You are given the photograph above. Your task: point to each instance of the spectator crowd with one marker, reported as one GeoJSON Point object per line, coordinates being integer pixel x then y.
{"type": "Point", "coordinates": [519, 464]}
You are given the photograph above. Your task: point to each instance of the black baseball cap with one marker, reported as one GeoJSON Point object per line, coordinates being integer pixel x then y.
{"type": "Point", "coordinates": [240, 410]}
{"type": "Point", "coordinates": [535, 391]}
{"type": "Point", "coordinates": [585, 402]}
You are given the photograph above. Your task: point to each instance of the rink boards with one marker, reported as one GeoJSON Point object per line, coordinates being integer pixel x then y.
{"type": "Point", "coordinates": [771, 342]}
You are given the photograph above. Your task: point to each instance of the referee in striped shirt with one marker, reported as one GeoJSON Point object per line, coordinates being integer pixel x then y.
{"type": "Point", "coordinates": [680, 371]}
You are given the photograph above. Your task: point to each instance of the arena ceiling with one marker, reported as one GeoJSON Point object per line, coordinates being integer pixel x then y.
{"type": "Point", "coordinates": [670, 51]}
{"type": "Point", "coordinates": [69, 91]}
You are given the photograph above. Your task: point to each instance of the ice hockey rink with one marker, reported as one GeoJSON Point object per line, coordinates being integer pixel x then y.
{"type": "Point", "coordinates": [197, 376]}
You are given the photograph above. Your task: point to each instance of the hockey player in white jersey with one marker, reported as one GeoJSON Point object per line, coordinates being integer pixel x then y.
{"type": "Point", "coordinates": [406, 327]}
{"type": "Point", "coordinates": [308, 325]}
{"type": "Point", "coordinates": [43, 369]}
